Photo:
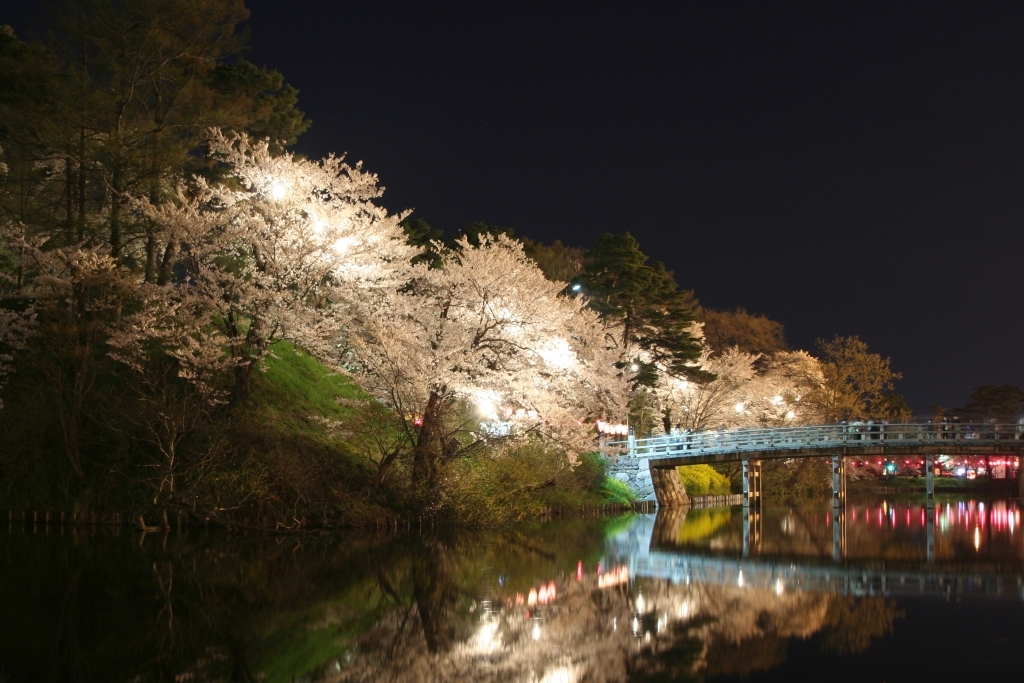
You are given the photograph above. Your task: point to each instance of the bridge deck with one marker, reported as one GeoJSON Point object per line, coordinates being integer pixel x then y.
{"type": "Point", "coordinates": [826, 440]}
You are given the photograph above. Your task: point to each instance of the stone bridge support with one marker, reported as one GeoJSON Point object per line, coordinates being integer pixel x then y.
{"type": "Point", "coordinates": [661, 484]}
{"type": "Point", "coordinates": [634, 473]}
{"type": "Point", "coordinates": [668, 487]}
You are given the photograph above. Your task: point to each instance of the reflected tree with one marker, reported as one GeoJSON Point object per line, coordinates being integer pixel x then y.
{"type": "Point", "coordinates": [852, 622]}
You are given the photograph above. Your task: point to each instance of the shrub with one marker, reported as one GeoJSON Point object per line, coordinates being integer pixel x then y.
{"type": "Point", "coordinates": [703, 480]}
{"type": "Point", "coordinates": [615, 491]}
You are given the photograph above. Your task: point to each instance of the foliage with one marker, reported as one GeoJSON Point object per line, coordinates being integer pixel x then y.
{"type": "Point", "coordinates": [754, 334]}
{"type": "Point", "coordinates": [476, 233]}
{"type": "Point", "coordinates": [118, 107]}
{"type": "Point", "coordinates": [746, 391]}
{"type": "Point", "coordinates": [518, 482]}
{"type": "Point", "coordinates": [615, 491]}
{"type": "Point", "coordinates": [993, 402]}
{"type": "Point", "coordinates": [892, 407]}
{"type": "Point", "coordinates": [796, 479]}
{"type": "Point", "coordinates": [558, 262]}
{"type": "Point", "coordinates": [703, 480]}
{"type": "Point", "coordinates": [480, 351]}
{"type": "Point", "coordinates": [426, 239]}
{"type": "Point", "coordinates": [854, 381]}
{"type": "Point", "coordinates": [646, 307]}
{"type": "Point", "coordinates": [272, 255]}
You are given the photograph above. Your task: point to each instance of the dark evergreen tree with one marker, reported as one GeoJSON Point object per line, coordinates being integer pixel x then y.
{"type": "Point", "coordinates": [558, 262]}
{"type": "Point", "coordinates": [131, 88]}
{"type": "Point", "coordinates": [473, 231]}
{"type": "Point", "coordinates": [993, 402]}
{"type": "Point", "coordinates": [419, 234]}
{"type": "Point", "coordinates": [646, 303]}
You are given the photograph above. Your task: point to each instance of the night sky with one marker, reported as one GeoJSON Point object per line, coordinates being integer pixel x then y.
{"type": "Point", "coordinates": [842, 168]}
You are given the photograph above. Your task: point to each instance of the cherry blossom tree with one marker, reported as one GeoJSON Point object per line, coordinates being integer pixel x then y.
{"type": "Point", "coordinates": [268, 254]}
{"type": "Point", "coordinates": [748, 390]}
{"type": "Point", "coordinates": [480, 350]}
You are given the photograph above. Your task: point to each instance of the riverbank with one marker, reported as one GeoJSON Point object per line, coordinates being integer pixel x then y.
{"type": "Point", "coordinates": [942, 484]}
{"type": "Point", "coordinates": [300, 452]}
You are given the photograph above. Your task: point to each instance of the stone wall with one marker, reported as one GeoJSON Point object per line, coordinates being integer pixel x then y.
{"type": "Point", "coordinates": [662, 485]}
{"type": "Point", "coordinates": [634, 473]}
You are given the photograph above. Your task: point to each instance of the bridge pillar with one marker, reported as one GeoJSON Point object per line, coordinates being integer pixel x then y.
{"type": "Point", "coordinates": [838, 481]}
{"type": "Point", "coordinates": [751, 483]}
{"type": "Point", "coordinates": [668, 487]}
{"type": "Point", "coordinates": [929, 481]}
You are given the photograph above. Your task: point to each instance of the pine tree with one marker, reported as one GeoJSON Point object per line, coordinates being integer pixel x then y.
{"type": "Point", "coordinates": [643, 300]}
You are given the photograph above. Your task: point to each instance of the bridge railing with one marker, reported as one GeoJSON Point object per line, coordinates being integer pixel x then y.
{"type": "Point", "coordinates": [820, 436]}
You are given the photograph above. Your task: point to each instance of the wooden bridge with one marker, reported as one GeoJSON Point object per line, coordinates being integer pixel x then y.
{"type": "Point", "coordinates": [752, 446]}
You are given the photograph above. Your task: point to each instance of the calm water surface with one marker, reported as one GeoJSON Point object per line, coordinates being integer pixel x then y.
{"type": "Point", "coordinates": [884, 592]}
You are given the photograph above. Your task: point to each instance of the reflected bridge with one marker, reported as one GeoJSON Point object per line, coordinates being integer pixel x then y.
{"type": "Point", "coordinates": [647, 556]}
{"type": "Point", "coordinates": [753, 446]}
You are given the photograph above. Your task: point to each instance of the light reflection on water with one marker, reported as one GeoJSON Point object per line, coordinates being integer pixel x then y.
{"type": "Point", "coordinates": [868, 529]}
{"type": "Point", "coordinates": [682, 595]}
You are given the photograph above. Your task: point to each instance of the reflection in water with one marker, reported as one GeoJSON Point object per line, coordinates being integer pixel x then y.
{"type": "Point", "coordinates": [683, 595]}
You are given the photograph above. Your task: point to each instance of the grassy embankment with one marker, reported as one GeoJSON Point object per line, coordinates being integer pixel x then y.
{"type": "Point", "coordinates": [267, 461]}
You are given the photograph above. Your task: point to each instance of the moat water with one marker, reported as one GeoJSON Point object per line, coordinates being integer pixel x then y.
{"type": "Point", "coordinates": [889, 591]}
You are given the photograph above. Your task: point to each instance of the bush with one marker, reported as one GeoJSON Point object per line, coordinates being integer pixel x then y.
{"type": "Point", "coordinates": [615, 491]}
{"type": "Point", "coordinates": [796, 479]}
{"type": "Point", "coordinates": [522, 481]}
{"type": "Point", "coordinates": [703, 480]}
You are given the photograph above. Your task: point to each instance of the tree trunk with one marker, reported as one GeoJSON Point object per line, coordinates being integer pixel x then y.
{"type": "Point", "coordinates": [432, 595]}
{"type": "Point", "coordinates": [115, 213]}
{"type": "Point", "coordinates": [81, 185]}
{"type": "Point", "coordinates": [166, 264]}
{"type": "Point", "coordinates": [242, 388]}
{"type": "Point", "coordinates": [427, 451]}
{"type": "Point", "coordinates": [150, 273]}
{"type": "Point", "coordinates": [69, 428]}
{"type": "Point", "coordinates": [69, 201]}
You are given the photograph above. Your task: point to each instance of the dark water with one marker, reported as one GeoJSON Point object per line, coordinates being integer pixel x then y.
{"type": "Point", "coordinates": [886, 592]}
